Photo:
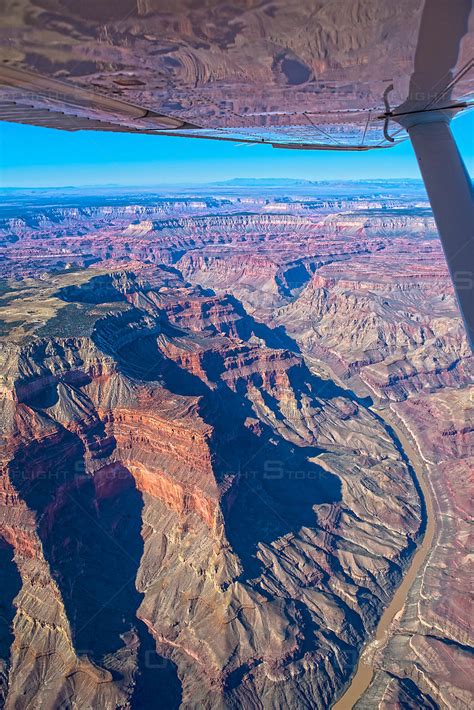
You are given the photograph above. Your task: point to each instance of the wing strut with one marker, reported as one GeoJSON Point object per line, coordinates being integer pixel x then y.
{"type": "Point", "coordinates": [450, 192]}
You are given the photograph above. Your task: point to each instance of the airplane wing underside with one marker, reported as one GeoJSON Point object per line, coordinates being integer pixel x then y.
{"type": "Point", "coordinates": [306, 74]}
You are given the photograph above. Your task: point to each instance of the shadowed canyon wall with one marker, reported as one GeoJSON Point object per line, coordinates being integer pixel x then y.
{"type": "Point", "coordinates": [203, 498]}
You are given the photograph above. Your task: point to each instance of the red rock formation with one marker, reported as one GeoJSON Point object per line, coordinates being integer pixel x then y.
{"type": "Point", "coordinates": [194, 500]}
{"type": "Point", "coordinates": [186, 474]}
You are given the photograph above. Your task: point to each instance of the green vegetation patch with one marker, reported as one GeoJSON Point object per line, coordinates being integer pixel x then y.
{"type": "Point", "coordinates": [77, 320]}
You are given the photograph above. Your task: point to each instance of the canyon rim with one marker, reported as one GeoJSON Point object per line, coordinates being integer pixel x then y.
{"type": "Point", "coordinates": [230, 420]}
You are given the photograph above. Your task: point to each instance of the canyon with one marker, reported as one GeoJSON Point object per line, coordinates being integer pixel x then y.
{"type": "Point", "coordinates": [231, 417]}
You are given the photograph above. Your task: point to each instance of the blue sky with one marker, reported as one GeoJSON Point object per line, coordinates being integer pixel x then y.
{"type": "Point", "coordinates": [41, 157]}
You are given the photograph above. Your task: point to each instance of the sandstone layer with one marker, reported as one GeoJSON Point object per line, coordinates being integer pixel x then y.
{"type": "Point", "coordinates": [204, 497]}
{"type": "Point", "coordinates": [177, 482]}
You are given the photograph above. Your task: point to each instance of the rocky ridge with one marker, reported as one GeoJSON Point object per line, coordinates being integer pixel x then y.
{"type": "Point", "coordinates": [295, 329]}
{"type": "Point", "coordinates": [170, 451]}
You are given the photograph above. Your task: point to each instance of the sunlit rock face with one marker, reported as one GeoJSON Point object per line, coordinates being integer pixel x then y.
{"type": "Point", "coordinates": [201, 499]}
{"type": "Point", "coordinates": [435, 626]}
{"type": "Point", "coordinates": [389, 325]}
{"type": "Point", "coordinates": [215, 477]}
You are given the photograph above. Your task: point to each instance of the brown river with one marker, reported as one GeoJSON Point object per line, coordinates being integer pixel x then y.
{"type": "Point", "coordinates": [365, 670]}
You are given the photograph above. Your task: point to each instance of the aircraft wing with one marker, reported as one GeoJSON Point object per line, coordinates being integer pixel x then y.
{"type": "Point", "coordinates": [311, 74]}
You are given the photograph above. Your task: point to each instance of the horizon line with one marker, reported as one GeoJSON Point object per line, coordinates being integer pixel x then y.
{"type": "Point", "coordinates": [215, 183]}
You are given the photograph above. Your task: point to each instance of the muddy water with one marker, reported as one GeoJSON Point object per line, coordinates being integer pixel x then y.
{"type": "Point", "coordinates": [365, 669]}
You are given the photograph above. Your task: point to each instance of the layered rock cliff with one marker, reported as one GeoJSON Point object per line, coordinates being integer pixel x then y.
{"type": "Point", "coordinates": [201, 498]}
{"type": "Point", "coordinates": [188, 511]}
